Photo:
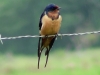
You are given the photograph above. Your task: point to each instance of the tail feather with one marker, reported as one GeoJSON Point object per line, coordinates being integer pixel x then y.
{"type": "Point", "coordinates": [40, 48]}
{"type": "Point", "coordinates": [39, 54]}
{"type": "Point", "coordinates": [47, 57]}
{"type": "Point", "coordinates": [48, 50]}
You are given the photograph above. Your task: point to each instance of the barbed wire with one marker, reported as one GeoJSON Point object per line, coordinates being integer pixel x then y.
{"type": "Point", "coordinates": [35, 36]}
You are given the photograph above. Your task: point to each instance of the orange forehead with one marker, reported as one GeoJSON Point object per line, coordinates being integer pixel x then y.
{"type": "Point", "coordinates": [56, 6]}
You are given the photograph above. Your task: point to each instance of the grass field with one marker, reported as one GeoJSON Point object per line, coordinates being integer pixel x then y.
{"type": "Point", "coordinates": [85, 62]}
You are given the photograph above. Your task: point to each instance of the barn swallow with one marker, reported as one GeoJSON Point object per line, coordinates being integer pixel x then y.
{"type": "Point", "coordinates": [49, 24]}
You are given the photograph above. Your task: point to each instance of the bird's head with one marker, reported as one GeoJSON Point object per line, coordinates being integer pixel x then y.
{"type": "Point", "coordinates": [52, 11]}
{"type": "Point", "coordinates": [51, 7]}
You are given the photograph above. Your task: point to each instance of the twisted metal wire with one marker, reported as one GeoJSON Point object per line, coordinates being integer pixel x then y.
{"type": "Point", "coordinates": [35, 36]}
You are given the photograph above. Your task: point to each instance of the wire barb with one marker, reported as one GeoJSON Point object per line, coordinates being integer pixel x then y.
{"type": "Point", "coordinates": [61, 35]}
{"type": "Point", "coordinates": [1, 39]}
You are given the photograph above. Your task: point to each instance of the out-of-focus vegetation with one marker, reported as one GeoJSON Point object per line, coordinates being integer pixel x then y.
{"type": "Point", "coordinates": [84, 62]}
{"type": "Point", "coordinates": [21, 17]}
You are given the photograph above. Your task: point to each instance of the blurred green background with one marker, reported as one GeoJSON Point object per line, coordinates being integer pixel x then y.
{"type": "Point", "coordinates": [76, 55]}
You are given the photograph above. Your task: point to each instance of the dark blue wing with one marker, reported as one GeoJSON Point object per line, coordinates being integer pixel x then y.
{"type": "Point", "coordinates": [39, 43]}
{"type": "Point", "coordinates": [40, 22]}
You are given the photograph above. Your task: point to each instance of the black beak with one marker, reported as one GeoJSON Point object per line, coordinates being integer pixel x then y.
{"type": "Point", "coordinates": [59, 8]}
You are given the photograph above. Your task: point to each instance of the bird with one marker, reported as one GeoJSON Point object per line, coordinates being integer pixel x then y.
{"type": "Point", "coordinates": [49, 24]}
